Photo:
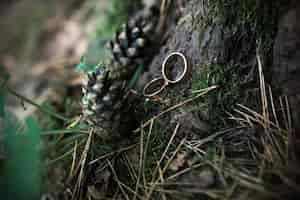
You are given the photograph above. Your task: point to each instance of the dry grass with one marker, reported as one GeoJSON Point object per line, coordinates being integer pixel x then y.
{"type": "Point", "coordinates": [244, 162]}
{"type": "Point", "coordinates": [272, 152]}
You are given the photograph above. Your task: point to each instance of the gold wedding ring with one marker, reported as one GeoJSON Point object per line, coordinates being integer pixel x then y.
{"type": "Point", "coordinates": [165, 69]}
{"type": "Point", "coordinates": [155, 86]}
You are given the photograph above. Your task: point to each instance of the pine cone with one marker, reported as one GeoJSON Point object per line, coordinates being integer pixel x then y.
{"type": "Point", "coordinates": [103, 102]}
{"type": "Point", "coordinates": [133, 45]}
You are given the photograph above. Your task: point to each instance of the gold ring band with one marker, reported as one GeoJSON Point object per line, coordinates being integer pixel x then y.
{"type": "Point", "coordinates": [161, 83]}
{"type": "Point", "coordinates": [164, 65]}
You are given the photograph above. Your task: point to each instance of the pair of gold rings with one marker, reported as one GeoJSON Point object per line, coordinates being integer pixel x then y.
{"type": "Point", "coordinates": [157, 85]}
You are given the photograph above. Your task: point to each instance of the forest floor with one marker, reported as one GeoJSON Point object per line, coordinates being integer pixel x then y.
{"type": "Point", "coordinates": [228, 130]}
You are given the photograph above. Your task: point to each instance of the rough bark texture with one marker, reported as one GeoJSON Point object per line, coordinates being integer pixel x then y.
{"type": "Point", "coordinates": [286, 68]}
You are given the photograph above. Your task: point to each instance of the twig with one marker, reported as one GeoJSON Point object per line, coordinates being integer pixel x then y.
{"type": "Point", "coordinates": [146, 150]}
{"type": "Point", "coordinates": [164, 169]}
{"type": "Point", "coordinates": [117, 179]}
{"type": "Point", "coordinates": [58, 132]}
{"type": "Point", "coordinates": [73, 162]}
{"type": "Point", "coordinates": [161, 177]}
{"type": "Point", "coordinates": [129, 189]}
{"type": "Point", "coordinates": [112, 153]}
{"type": "Point", "coordinates": [165, 151]}
{"type": "Point", "coordinates": [264, 100]}
{"type": "Point", "coordinates": [176, 106]}
{"type": "Point", "coordinates": [185, 171]}
{"type": "Point", "coordinates": [273, 107]}
{"type": "Point", "coordinates": [130, 167]}
{"type": "Point", "coordinates": [140, 164]}
{"type": "Point", "coordinates": [257, 117]}
{"type": "Point", "coordinates": [45, 110]}
{"type": "Point", "coordinates": [82, 164]}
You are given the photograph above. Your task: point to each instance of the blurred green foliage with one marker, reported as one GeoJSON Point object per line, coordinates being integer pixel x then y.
{"type": "Point", "coordinates": [2, 100]}
{"type": "Point", "coordinates": [116, 13]}
{"type": "Point", "coordinates": [21, 175]}
{"type": "Point", "coordinates": [4, 77]}
{"type": "Point", "coordinates": [108, 20]}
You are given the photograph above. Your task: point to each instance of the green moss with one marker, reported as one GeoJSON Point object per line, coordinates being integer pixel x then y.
{"type": "Point", "coordinates": [261, 16]}
{"type": "Point", "coordinates": [224, 98]}
{"type": "Point", "coordinates": [262, 19]}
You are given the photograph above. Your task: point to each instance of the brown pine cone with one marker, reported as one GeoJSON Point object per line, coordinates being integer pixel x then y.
{"type": "Point", "coordinates": [103, 102]}
{"type": "Point", "coordinates": [133, 45]}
